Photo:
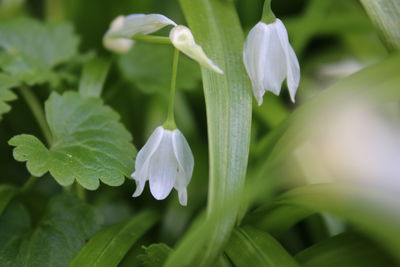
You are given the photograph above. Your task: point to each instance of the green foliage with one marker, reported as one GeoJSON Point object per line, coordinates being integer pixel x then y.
{"type": "Point", "coordinates": [31, 49]}
{"type": "Point", "coordinates": [7, 82]}
{"type": "Point", "coordinates": [155, 255]}
{"type": "Point", "coordinates": [251, 247]}
{"type": "Point", "coordinates": [7, 192]}
{"type": "Point", "coordinates": [64, 228]}
{"type": "Point", "coordinates": [89, 143]}
{"type": "Point", "coordinates": [93, 77]}
{"type": "Point", "coordinates": [109, 246]}
{"type": "Point", "coordinates": [345, 250]}
{"type": "Point", "coordinates": [148, 66]}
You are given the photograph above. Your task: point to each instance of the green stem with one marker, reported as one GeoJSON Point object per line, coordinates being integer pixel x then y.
{"type": "Point", "coordinates": [28, 184]}
{"type": "Point", "coordinates": [268, 16]}
{"type": "Point", "coordinates": [37, 111]}
{"type": "Point", "coordinates": [152, 39]}
{"type": "Point", "coordinates": [80, 192]}
{"type": "Point", "coordinates": [170, 122]}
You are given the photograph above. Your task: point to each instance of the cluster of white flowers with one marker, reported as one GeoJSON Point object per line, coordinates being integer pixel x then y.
{"type": "Point", "coordinates": [166, 159]}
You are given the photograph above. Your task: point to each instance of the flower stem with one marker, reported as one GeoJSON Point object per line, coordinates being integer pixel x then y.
{"type": "Point", "coordinates": [28, 184]}
{"type": "Point", "coordinates": [37, 111]}
{"type": "Point", "coordinates": [170, 122]}
{"type": "Point", "coordinates": [268, 16]}
{"type": "Point", "coordinates": [152, 39]}
{"type": "Point", "coordinates": [80, 192]}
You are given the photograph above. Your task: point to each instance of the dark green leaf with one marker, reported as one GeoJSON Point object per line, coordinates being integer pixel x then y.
{"type": "Point", "coordinates": [30, 49]}
{"type": "Point", "coordinates": [89, 143]}
{"type": "Point", "coordinates": [155, 255]}
{"type": "Point", "coordinates": [345, 250]}
{"type": "Point", "coordinates": [108, 247]}
{"type": "Point", "coordinates": [63, 230]}
{"type": "Point", "coordinates": [251, 247]}
{"type": "Point", "coordinates": [93, 77]}
{"type": "Point", "coordinates": [149, 66]}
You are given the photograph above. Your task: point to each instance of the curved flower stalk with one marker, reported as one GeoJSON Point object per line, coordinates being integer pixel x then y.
{"type": "Point", "coordinates": [167, 162]}
{"type": "Point", "coordinates": [119, 37]}
{"type": "Point", "coordinates": [182, 38]}
{"type": "Point", "coordinates": [123, 28]}
{"type": "Point", "coordinates": [269, 60]}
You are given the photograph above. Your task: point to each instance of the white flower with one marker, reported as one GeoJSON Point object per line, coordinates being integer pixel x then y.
{"type": "Point", "coordinates": [269, 59]}
{"type": "Point", "coordinates": [123, 28]}
{"type": "Point", "coordinates": [167, 162]}
{"type": "Point", "coordinates": [182, 38]}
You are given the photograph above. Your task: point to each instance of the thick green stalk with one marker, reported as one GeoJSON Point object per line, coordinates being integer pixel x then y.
{"type": "Point", "coordinates": [216, 28]}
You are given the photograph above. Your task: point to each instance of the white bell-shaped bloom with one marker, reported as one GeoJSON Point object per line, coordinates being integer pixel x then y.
{"type": "Point", "coordinates": [269, 60]}
{"type": "Point", "coordinates": [167, 162]}
{"type": "Point", "coordinates": [123, 28]}
{"type": "Point", "coordinates": [182, 38]}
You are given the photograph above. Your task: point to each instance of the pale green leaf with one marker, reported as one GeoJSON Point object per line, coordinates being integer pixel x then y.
{"type": "Point", "coordinates": [89, 143]}
{"type": "Point", "coordinates": [108, 247]}
{"type": "Point", "coordinates": [345, 250]}
{"type": "Point", "coordinates": [65, 227]}
{"type": "Point", "coordinates": [31, 49]}
{"type": "Point", "coordinates": [251, 247]}
{"type": "Point", "coordinates": [148, 66]}
{"type": "Point", "coordinates": [155, 255]}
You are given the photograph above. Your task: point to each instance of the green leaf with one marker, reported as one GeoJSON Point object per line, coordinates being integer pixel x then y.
{"type": "Point", "coordinates": [155, 256]}
{"type": "Point", "coordinates": [148, 66]}
{"type": "Point", "coordinates": [7, 192]}
{"type": "Point", "coordinates": [108, 247]}
{"type": "Point", "coordinates": [373, 211]}
{"type": "Point", "coordinates": [345, 250]}
{"type": "Point", "coordinates": [251, 247]}
{"type": "Point", "coordinates": [385, 14]}
{"type": "Point", "coordinates": [6, 84]}
{"type": "Point", "coordinates": [63, 230]}
{"type": "Point", "coordinates": [31, 49]}
{"type": "Point", "coordinates": [94, 74]}
{"type": "Point", "coordinates": [217, 29]}
{"type": "Point", "coordinates": [89, 143]}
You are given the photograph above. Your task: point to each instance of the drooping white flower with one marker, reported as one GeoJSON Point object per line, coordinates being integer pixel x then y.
{"type": "Point", "coordinates": [269, 60]}
{"type": "Point", "coordinates": [182, 38]}
{"type": "Point", "coordinates": [123, 28]}
{"type": "Point", "coordinates": [167, 162]}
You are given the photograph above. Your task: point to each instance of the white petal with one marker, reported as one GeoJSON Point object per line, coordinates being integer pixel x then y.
{"type": "Point", "coordinates": [292, 63]}
{"type": "Point", "coordinates": [123, 28]}
{"type": "Point", "coordinates": [118, 45]}
{"type": "Point", "coordinates": [184, 157]}
{"type": "Point", "coordinates": [143, 158]}
{"type": "Point", "coordinates": [182, 38]}
{"type": "Point", "coordinates": [255, 45]}
{"type": "Point", "coordinates": [182, 194]}
{"type": "Point", "coordinates": [163, 168]}
{"type": "Point", "coordinates": [128, 26]}
{"type": "Point", "coordinates": [275, 62]}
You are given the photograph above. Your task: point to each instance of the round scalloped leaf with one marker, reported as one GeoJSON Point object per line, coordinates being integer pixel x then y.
{"type": "Point", "coordinates": [89, 143]}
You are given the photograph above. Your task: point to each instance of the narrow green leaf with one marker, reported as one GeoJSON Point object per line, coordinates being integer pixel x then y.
{"type": "Point", "coordinates": [251, 247]}
{"type": "Point", "coordinates": [345, 250]}
{"type": "Point", "coordinates": [65, 227]}
{"type": "Point", "coordinates": [374, 212]}
{"type": "Point", "coordinates": [385, 14]}
{"type": "Point", "coordinates": [7, 192]}
{"type": "Point", "coordinates": [89, 144]}
{"type": "Point", "coordinates": [108, 247]}
{"type": "Point", "coordinates": [217, 29]}
{"type": "Point", "coordinates": [94, 74]}
{"type": "Point", "coordinates": [155, 256]}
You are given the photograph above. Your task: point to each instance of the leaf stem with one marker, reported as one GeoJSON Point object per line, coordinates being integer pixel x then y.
{"type": "Point", "coordinates": [28, 184]}
{"type": "Point", "coordinates": [152, 39]}
{"type": "Point", "coordinates": [80, 192]}
{"type": "Point", "coordinates": [170, 122]}
{"type": "Point", "coordinates": [37, 111]}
